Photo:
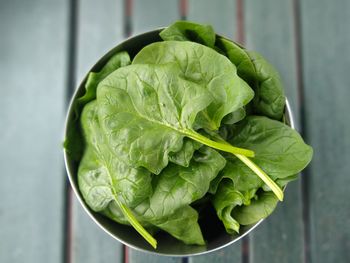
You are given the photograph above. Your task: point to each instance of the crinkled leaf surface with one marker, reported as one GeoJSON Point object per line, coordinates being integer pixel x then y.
{"type": "Point", "coordinates": [73, 142]}
{"type": "Point", "coordinates": [227, 198]}
{"type": "Point", "coordinates": [119, 60]}
{"type": "Point", "coordinates": [207, 68]}
{"type": "Point", "coordinates": [279, 150]}
{"type": "Point", "coordinates": [146, 110]}
{"type": "Point", "coordinates": [184, 156]}
{"type": "Point", "coordinates": [269, 99]}
{"type": "Point", "coordinates": [257, 210]}
{"type": "Point", "coordinates": [102, 176]}
{"type": "Point", "coordinates": [189, 31]}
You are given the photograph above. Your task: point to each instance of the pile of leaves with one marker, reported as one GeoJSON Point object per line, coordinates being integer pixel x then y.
{"type": "Point", "coordinates": [193, 119]}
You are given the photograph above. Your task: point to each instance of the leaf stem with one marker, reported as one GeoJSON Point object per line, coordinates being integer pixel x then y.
{"type": "Point", "coordinates": [263, 176]}
{"type": "Point", "coordinates": [138, 227]}
{"type": "Point", "coordinates": [226, 147]}
{"type": "Point", "coordinates": [258, 171]}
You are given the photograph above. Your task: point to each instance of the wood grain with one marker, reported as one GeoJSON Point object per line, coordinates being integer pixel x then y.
{"type": "Point", "coordinates": [32, 72]}
{"type": "Point", "coordinates": [152, 14]}
{"type": "Point", "coordinates": [326, 57]}
{"type": "Point", "coordinates": [222, 16]}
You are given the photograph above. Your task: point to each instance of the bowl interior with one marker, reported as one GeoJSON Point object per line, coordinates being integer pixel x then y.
{"type": "Point", "coordinates": [214, 234]}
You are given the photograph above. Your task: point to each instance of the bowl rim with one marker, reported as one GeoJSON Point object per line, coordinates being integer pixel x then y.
{"type": "Point", "coordinates": [69, 114]}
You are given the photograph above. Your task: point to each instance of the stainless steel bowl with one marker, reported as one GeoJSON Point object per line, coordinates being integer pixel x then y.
{"type": "Point", "coordinates": [166, 244]}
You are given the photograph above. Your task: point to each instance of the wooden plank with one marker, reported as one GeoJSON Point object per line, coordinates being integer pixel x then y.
{"type": "Point", "coordinates": [326, 57]}
{"type": "Point", "coordinates": [221, 16]}
{"type": "Point", "coordinates": [152, 14]}
{"type": "Point", "coordinates": [224, 20]}
{"type": "Point", "coordinates": [269, 30]}
{"type": "Point", "coordinates": [100, 27]}
{"type": "Point", "coordinates": [32, 63]}
{"type": "Point", "coordinates": [149, 15]}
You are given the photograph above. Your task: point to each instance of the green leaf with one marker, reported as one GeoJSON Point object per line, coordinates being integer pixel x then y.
{"type": "Point", "coordinates": [73, 142]}
{"type": "Point", "coordinates": [189, 31]}
{"type": "Point", "coordinates": [177, 186]}
{"type": "Point", "coordinates": [269, 99]}
{"type": "Point", "coordinates": [184, 156]}
{"type": "Point", "coordinates": [257, 210]}
{"type": "Point", "coordinates": [146, 111]}
{"type": "Point", "coordinates": [103, 178]}
{"type": "Point", "coordinates": [279, 150]}
{"type": "Point", "coordinates": [226, 199]}
{"type": "Point", "coordinates": [183, 225]}
{"type": "Point", "coordinates": [118, 60]}
{"type": "Point", "coordinates": [175, 189]}
{"type": "Point", "coordinates": [206, 67]}
{"type": "Point", "coordinates": [234, 117]}
{"type": "Point", "coordinates": [99, 166]}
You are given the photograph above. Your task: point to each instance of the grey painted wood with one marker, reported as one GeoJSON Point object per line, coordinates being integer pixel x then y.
{"type": "Point", "coordinates": [269, 30]}
{"type": "Point", "coordinates": [138, 256]}
{"type": "Point", "coordinates": [32, 73]}
{"type": "Point", "coordinates": [100, 28]}
{"type": "Point", "coordinates": [148, 15]}
{"type": "Point", "coordinates": [223, 18]}
{"type": "Point", "coordinates": [326, 56]}
{"type": "Point", "coordinates": [152, 14]}
{"type": "Point", "coordinates": [220, 14]}
{"type": "Point", "coordinates": [232, 253]}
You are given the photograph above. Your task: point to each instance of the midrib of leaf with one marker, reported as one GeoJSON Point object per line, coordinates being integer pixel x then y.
{"type": "Point", "coordinates": [199, 138]}
{"type": "Point", "coordinates": [259, 172]}
{"type": "Point", "coordinates": [193, 134]}
{"type": "Point", "coordinates": [130, 217]}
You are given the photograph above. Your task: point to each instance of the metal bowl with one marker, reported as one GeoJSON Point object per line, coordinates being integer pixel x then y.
{"type": "Point", "coordinates": [215, 236]}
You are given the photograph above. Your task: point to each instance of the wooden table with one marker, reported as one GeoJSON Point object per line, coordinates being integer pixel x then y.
{"type": "Point", "coordinates": [47, 46]}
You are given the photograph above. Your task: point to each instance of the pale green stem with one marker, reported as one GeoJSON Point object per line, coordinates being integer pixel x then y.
{"type": "Point", "coordinates": [138, 227]}
{"type": "Point", "coordinates": [263, 176]}
{"type": "Point", "coordinates": [226, 147]}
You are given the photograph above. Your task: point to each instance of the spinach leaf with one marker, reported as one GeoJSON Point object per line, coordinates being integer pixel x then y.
{"type": "Point", "coordinates": [146, 111]}
{"type": "Point", "coordinates": [103, 178]}
{"type": "Point", "coordinates": [118, 60]}
{"type": "Point", "coordinates": [269, 99]}
{"type": "Point", "coordinates": [184, 156]}
{"type": "Point", "coordinates": [73, 142]}
{"type": "Point", "coordinates": [224, 202]}
{"type": "Point", "coordinates": [234, 117]}
{"type": "Point", "coordinates": [279, 151]}
{"type": "Point", "coordinates": [235, 208]}
{"type": "Point", "coordinates": [258, 209]}
{"type": "Point", "coordinates": [189, 31]}
{"type": "Point", "coordinates": [204, 66]}
{"type": "Point", "coordinates": [175, 188]}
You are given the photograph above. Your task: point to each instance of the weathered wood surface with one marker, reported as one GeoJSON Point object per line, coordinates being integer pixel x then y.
{"type": "Point", "coordinates": [326, 60]}
{"type": "Point", "coordinates": [32, 72]}
{"type": "Point", "coordinates": [34, 63]}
